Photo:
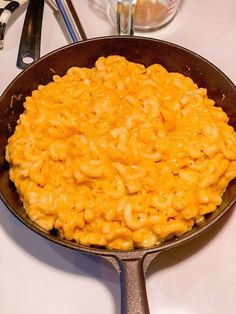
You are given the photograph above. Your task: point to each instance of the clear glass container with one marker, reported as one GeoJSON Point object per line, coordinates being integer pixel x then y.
{"type": "Point", "coordinates": [148, 14]}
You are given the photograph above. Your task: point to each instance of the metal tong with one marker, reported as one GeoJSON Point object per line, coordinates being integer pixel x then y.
{"type": "Point", "coordinates": [71, 20]}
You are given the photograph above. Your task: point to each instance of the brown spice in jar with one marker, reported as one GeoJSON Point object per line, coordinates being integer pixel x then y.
{"type": "Point", "coordinates": [149, 13]}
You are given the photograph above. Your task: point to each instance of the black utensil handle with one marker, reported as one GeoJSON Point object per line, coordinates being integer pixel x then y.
{"type": "Point", "coordinates": [31, 34]}
{"type": "Point", "coordinates": [133, 288]}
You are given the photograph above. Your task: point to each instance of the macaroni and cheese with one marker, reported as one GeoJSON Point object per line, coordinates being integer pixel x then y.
{"type": "Point", "coordinates": [121, 156]}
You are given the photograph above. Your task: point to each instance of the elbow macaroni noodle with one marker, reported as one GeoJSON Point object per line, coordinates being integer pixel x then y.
{"type": "Point", "coordinates": [121, 156]}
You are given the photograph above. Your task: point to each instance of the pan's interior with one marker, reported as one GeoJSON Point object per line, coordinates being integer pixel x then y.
{"type": "Point", "coordinates": [84, 54]}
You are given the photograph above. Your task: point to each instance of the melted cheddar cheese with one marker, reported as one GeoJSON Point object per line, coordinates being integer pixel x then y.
{"type": "Point", "coordinates": [121, 156]}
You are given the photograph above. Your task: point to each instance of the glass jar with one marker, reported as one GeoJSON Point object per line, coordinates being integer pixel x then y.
{"type": "Point", "coordinates": [148, 14]}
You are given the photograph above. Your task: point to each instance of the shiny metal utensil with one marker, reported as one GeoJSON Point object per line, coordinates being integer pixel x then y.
{"type": "Point", "coordinates": [29, 49]}
{"type": "Point", "coordinates": [71, 20]}
{"type": "Point", "coordinates": [125, 10]}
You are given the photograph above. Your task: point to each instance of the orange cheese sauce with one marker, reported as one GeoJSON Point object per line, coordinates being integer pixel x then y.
{"type": "Point", "coordinates": [121, 156]}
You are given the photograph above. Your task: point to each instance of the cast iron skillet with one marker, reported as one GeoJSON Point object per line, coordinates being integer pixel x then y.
{"type": "Point", "coordinates": [132, 264]}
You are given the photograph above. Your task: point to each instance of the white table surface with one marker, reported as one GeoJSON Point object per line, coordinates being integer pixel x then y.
{"type": "Point", "coordinates": [38, 277]}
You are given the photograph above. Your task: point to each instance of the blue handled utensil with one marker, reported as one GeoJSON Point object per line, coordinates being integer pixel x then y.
{"type": "Point", "coordinates": [71, 20]}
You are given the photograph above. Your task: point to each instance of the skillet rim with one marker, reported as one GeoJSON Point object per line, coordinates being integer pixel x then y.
{"type": "Point", "coordinates": [135, 253]}
{"type": "Point", "coordinates": [117, 37]}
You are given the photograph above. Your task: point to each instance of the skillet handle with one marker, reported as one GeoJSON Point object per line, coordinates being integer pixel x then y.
{"type": "Point", "coordinates": [31, 34]}
{"type": "Point", "coordinates": [133, 288]}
